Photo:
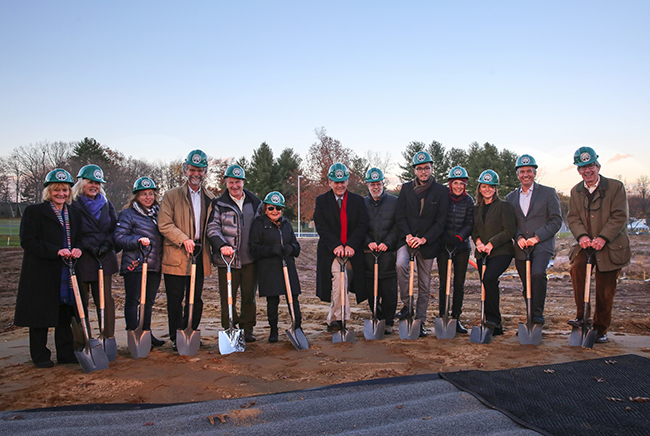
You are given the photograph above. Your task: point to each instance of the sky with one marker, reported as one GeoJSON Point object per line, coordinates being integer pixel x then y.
{"type": "Point", "coordinates": [156, 79]}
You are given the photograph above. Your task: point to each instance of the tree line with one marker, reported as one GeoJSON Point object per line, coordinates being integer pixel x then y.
{"type": "Point", "coordinates": [23, 171]}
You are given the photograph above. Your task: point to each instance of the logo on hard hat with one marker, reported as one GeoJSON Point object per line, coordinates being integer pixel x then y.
{"type": "Point", "coordinates": [585, 157]}
{"type": "Point", "coordinates": [275, 198]}
{"type": "Point", "coordinates": [236, 172]}
{"type": "Point", "coordinates": [196, 158]}
{"type": "Point", "coordinates": [458, 172]}
{"type": "Point", "coordinates": [487, 177]}
{"type": "Point", "coordinates": [60, 175]}
{"type": "Point", "coordinates": [374, 175]}
{"type": "Point", "coordinates": [98, 174]}
{"type": "Point", "coordinates": [338, 174]}
{"type": "Point", "coordinates": [146, 183]}
{"type": "Point", "coordinates": [420, 156]}
{"type": "Point", "coordinates": [525, 160]}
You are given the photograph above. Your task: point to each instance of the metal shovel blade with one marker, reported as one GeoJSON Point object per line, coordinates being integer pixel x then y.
{"type": "Point", "coordinates": [590, 339]}
{"type": "Point", "coordinates": [188, 341]}
{"type": "Point", "coordinates": [110, 348]}
{"type": "Point", "coordinates": [231, 340]}
{"type": "Point", "coordinates": [298, 339]}
{"type": "Point", "coordinates": [575, 338]}
{"type": "Point", "coordinates": [529, 333]}
{"type": "Point", "coordinates": [92, 357]}
{"type": "Point", "coordinates": [139, 343]}
{"type": "Point", "coordinates": [445, 328]}
{"type": "Point", "coordinates": [481, 335]}
{"type": "Point", "coordinates": [345, 335]}
{"type": "Point", "coordinates": [409, 329]}
{"type": "Point", "coordinates": [374, 328]}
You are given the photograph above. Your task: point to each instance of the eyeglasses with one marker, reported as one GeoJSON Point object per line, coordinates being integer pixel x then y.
{"type": "Point", "coordinates": [272, 208]}
{"type": "Point", "coordinates": [422, 169]}
{"type": "Point", "coordinates": [584, 168]}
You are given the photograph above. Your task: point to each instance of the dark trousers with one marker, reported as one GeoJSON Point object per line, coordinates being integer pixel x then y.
{"type": "Point", "coordinates": [177, 289]}
{"type": "Point", "coordinates": [132, 288]}
{"type": "Point", "coordinates": [494, 268]}
{"type": "Point", "coordinates": [459, 262]}
{"type": "Point", "coordinates": [272, 304]}
{"type": "Point", "coordinates": [605, 291]}
{"type": "Point", "coordinates": [109, 303]}
{"type": "Point", "coordinates": [538, 281]}
{"type": "Point", "coordinates": [63, 339]}
{"type": "Point", "coordinates": [386, 298]}
{"type": "Point", "coordinates": [246, 278]}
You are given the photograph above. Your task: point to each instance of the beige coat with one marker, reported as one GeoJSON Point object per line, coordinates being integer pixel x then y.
{"type": "Point", "coordinates": [176, 223]}
{"type": "Point", "coordinates": [608, 216]}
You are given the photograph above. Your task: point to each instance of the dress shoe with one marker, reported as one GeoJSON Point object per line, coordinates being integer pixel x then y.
{"type": "Point", "coordinates": [460, 328]}
{"type": "Point", "coordinates": [423, 332]}
{"type": "Point", "coordinates": [538, 320]}
{"type": "Point", "coordinates": [601, 339]}
{"type": "Point", "coordinates": [491, 324]}
{"type": "Point", "coordinates": [404, 313]}
{"type": "Point", "coordinates": [249, 337]}
{"type": "Point", "coordinates": [335, 326]}
{"type": "Point", "coordinates": [388, 330]}
{"type": "Point", "coordinates": [498, 331]}
{"type": "Point", "coordinates": [273, 336]}
{"type": "Point", "coordinates": [575, 322]}
{"type": "Point", "coordinates": [44, 364]}
{"type": "Point", "coordinates": [156, 342]}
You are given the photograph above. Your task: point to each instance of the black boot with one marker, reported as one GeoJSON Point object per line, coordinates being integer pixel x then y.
{"type": "Point", "coordinates": [273, 336]}
{"type": "Point", "coordinates": [459, 327]}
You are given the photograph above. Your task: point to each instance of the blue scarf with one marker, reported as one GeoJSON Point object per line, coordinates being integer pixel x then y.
{"type": "Point", "coordinates": [94, 206]}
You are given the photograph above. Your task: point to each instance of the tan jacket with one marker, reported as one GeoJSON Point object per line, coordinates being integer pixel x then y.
{"type": "Point", "coordinates": [607, 215]}
{"type": "Point", "coordinates": [176, 223]}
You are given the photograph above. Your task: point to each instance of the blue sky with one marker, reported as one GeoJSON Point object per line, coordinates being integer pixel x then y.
{"type": "Point", "coordinates": [155, 79]}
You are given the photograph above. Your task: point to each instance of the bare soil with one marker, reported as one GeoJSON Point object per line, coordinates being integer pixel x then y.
{"type": "Point", "coordinates": [166, 377]}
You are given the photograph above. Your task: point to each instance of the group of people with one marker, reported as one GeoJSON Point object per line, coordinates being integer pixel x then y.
{"type": "Point", "coordinates": [426, 221]}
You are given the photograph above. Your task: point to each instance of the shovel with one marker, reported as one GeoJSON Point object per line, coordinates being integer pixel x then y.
{"type": "Point", "coordinates": [188, 341]}
{"type": "Point", "coordinates": [344, 335]}
{"type": "Point", "coordinates": [529, 333]}
{"type": "Point", "coordinates": [92, 357]}
{"type": "Point", "coordinates": [109, 345]}
{"type": "Point", "coordinates": [482, 334]}
{"type": "Point", "coordinates": [585, 336]}
{"type": "Point", "coordinates": [410, 328]}
{"type": "Point", "coordinates": [139, 340]}
{"type": "Point", "coordinates": [446, 326]}
{"type": "Point", "coordinates": [296, 335]}
{"type": "Point", "coordinates": [374, 328]}
{"type": "Point", "coordinates": [231, 340]}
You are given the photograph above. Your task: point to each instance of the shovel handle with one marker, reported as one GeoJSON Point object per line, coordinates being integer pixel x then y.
{"type": "Point", "coordinates": [102, 299]}
{"type": "Point", "coordinates": [287, 283]}
{"type": "Point", "coordinates": [528, 279]}
{"type": "Point", "coordinates": [448, 284]}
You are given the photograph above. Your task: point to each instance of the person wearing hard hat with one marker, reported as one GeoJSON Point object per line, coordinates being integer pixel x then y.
{"type": "Point", "coordinates": [182, 221]}
{"type": "Point", "coordinates": [382, 240]}
{"type": "Point", "coordinates": [598, 215]}
{"type": "Point", "coordinates": [341, 222]}
{"type": "Point", "coordinates": [273, 244]}
{"type": "Point", "coordinates": [49, 232]}
{"type": "Point", "coordinates": [455, 240]}
{"type": "Point", "coordinates": [494, 228]}
{"type": "Point", "coordinates": [137, 231]}
{"type": "Point", "coordinates": [539, 218]}
{"type": "Point", "coordinates": [420, 222]}
{"type": "Point", "coordinates": [98, 220]}
{"type": "Point", "coordinates": [229, 232]}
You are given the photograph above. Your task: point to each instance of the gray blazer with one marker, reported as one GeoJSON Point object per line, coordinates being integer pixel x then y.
{"type": "Point", "coordinates": [544, 219]}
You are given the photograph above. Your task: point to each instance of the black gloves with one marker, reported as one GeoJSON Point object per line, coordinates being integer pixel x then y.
{"type": "Point", "coordinates": [287, 250]}
{"type": "Point", "coordinates": [276, 250]}
{"type": "Point", "coordinates": [103, 249]}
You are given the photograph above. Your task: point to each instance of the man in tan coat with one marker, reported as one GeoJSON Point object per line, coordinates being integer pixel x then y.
{"type": "Point", "coordinates": [182, 220]}
{"type": "Point", "coordinates": [598, 215]}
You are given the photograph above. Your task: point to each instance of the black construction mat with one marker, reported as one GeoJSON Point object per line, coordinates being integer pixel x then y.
{"type": "Point", "coordinates": [589, 397]}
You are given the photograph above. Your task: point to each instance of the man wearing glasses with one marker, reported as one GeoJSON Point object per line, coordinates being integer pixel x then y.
{"type": "Point", "coordinates": [598, 215]}
{"type": "Point", "coordinates": [420, 221]}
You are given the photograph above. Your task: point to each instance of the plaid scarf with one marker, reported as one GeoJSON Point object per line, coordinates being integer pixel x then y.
{"type": "Point", "coordinates": [151, 213]}
{"type": "Point", "coordinates": [66, 294]}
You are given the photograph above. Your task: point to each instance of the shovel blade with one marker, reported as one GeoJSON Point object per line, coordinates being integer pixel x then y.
{"type": "Point", "coordinates": [529, 333]}
{"type": "Point", "coordinates": [590, 339]}
{"type": "Point", "coordinates": [345, 335]}
{"type": "Point", "coordinates": [110, 348]}
{"type": "Point", "coordinates": [445, 328]}
{"type": "Point", "coordinates": [409, 329]}
{"type": "Point", "coordinates": [231, 340]}
{"type": "Point", "coordinates": [481, 335]}
{"type": "Point", "coordinates": [575, 338]}
{"type": "Point", "coordinates": [298, 339]}
{"type": "Point", "coordinates": [139, 343]}
{"type": "Point", "coordinates": [188, 341]}
{"type": "Point", "coordinates": [374, 329]}
{"type": "Point", "coordinates": [92, 357]}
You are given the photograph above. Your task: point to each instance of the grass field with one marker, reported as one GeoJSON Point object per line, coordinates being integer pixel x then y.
{"type": "Point", "coordinates": [9, 232]}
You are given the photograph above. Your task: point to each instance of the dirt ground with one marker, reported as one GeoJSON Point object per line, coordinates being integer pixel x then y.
{"type": "Point", "coordinates": [166, 377]}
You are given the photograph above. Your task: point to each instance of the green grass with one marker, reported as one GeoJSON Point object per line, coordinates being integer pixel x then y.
{"type": "Point", "coordinates": [9, 230]}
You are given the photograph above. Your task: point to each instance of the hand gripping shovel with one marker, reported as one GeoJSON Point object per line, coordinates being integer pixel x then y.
{"type": "Point", "coordinates": [188, 341]}
{"type": "Point", "coordinates": [139, 340]}
{"type": "Point", "coordinates": [446, 326]}
{"type": "Point", "coordinates": [344, 335]}
{"type": "Point", "coordinates": [109, 345]}
{"type": "Point", "coordinates": [374, 328]}
{"type": "Point", "coordinates": [585, 336]}
{"type": "Point", "coordinates": [231, 340]}
{"type": "Point", "coordinates": [92, 357]}
{"type": "Point", "coordinates": [482, 334]}
{"type": "Point", "coordinates": [529, 333]}
{"type": "Point", "coordinates": [410, 328]}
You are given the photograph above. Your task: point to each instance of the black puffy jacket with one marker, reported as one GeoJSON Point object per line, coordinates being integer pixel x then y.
{"type": "Point", "coordinates": [460, 221]}
{"type": "Point", "coordinates": [131, 226]}
{"type": "Point", "coordinates": [381, 228]}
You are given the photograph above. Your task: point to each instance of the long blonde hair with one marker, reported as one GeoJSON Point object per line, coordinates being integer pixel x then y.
{"type": "Point", "coordinates": [78, 188]}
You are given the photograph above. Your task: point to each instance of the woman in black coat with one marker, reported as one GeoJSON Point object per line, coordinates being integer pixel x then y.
{"type": "Point", "coordinates": [137, 226]}
{"type": "Point", "coordinates": [271, 240]}
{"type": "Point", "coordinates": [98, 220]}
{"type": "Point", "coordinates": [48, 234]}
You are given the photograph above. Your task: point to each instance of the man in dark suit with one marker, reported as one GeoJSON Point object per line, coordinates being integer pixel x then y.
{"type": "Point", "coordinates": [342, 223]}
{"type": "Point", "coordinates": [539, 218]}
